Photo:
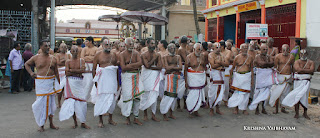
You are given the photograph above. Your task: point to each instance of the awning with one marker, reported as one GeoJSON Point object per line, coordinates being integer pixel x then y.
{"type": "Point", "coordinates": [225, 6]}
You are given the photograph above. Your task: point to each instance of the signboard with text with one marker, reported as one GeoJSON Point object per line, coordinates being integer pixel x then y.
{"type": "Point", "coordinates": [256, 31]}
{"type": "Point", "coordinates": [248, 6]}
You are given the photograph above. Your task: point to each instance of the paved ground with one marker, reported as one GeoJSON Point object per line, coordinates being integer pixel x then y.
{"type": "Point", "coordinates": [17, 120]}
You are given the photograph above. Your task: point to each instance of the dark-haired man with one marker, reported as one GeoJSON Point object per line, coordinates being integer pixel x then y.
{"type": "Point", "coordinates": [16, 63]}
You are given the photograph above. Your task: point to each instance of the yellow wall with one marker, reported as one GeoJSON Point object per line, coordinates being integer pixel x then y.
{"type": "Point", "coordinates": [272, 3]}
{"type": "Point", "coordinates": [226, 1]}
{"type": "Point", "coordinates": [185, 2]}
{"type": "Point", "coordinates": [230, 10]}
{"type": "Point", "coordinates": [214, 15]}
{"type": "Point", "coordinates": [303, 18]}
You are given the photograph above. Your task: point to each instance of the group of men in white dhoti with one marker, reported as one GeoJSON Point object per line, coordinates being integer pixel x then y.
{"type": "Point", "coordinates": [93, 76]}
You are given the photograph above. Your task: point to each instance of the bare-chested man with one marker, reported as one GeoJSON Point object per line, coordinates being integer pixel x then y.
{"type": "Point", "coordinates": [190, 47]}
{"type": "Point", "coordinates": [210, 47]}
{"type": "Point", "coordinates": [304, 69]}
{"type": "Point", "coordinates": [62, 57]}
{"type": "Point", "coordinates": [251, 51]}
{"type": "Point", "coordinates": [103, 42]}
{"type": "Point", "coordinates": [242, 80]}
{"type": "Point", "coordinates": [75, 104]}
{"type": "Point", "coordinates": [195, 78]}
{"type": "Point", "coordinates": [130, 62]}
{"type": "Point", "coordinates": [272, 51]}
{"type": "Point", "coordinates": [105, 78]}
{"type": "Point", "coordinates": [46, 83]}
{"type": "Point", "coordinates": [264, 79]}
{"type": "Point", "coordinates": [183, 52]}
{"type": "Point", "coordinates": [284, 65]}
{"type": "Point", "coordinates": [79, 43]}
{"type": "Point", "coordinates": [150, 76]}
{"type": "Point", "coordinates": [143, 46]}
{"type": "Point", "coordinates": [216, 89]}
{"type": "Point", "coordinates": [233, 48]}
{"type": "Point", "coordinates": [162, 46]}
{"type": "Point", "coordinates": [228, 57]}
{"type": "Point", "coordinates": [88, 54]}
{"type": "Point", "coordinates": [173, 66]}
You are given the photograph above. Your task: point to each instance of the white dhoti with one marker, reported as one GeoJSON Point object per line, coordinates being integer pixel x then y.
{"type": "Point", "coordinates": [62, 75]}
{"type": "Point", "coordinates": [105, 96]}
{"type": "Point", "coordinates": [226, 83]}
{"type": "Point", "coordinates": [87, 78]}
{"type": "Point", "coordinates": [279, 90]}
{"type": "Point", "coordinates": [216, 87]}
{"type": "Point", "coordinates": [264, 80]}
{"type": "Point", "coordinates": [74, 100]}
{"type": "Point", "coordinates": [132, 88]}
{"type": "Point", "coordinates": [196, 96]}
{"type": "Point", "coordinates": [151, 82]}
{"type": "Point", "coordinates": [170, 95]}
{"type": "Point", "coordinates": [162, 83]}
{"type": "Point", "coordinates": [241, 85]}
{"type": "Point", "coordinates": [300, 91]}
{"type": "Point", "coordinates": [46, 88]}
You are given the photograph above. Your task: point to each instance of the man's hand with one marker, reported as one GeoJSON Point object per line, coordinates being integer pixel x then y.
{"type": "Point", "coordinates": [186, 85]}
{"type": "Point", "coordinates": [33, 75]}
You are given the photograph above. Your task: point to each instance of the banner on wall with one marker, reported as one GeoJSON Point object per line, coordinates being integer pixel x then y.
{"type": "Point", "coordinates": [256, 31]}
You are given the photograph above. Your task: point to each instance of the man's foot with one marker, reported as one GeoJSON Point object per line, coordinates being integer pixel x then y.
{"type": "Point", "coordinates": [172, 117]}
{"type": "Point", "coordinates": [191, 115]}
{"type": "Point", "coordinates": [226, 103]}
{"type": "Point", "coordinates": [59, 105]}
{"type": "Point", "coordinates": [257, 112]}
{"type": "Point", "coordinates": [112, 122]}
{"type": "Point", "coordinates": [197, 114]}
{"type": "Point", "coordinates": [136, 121]}
{"type": "Point", "coordinates": [101, 125]}
{"type": "Point", "coordinates": [41, 129]}
{"type": "Point", "coordinates": [245, 112]}
{"type": "Point", "coordinates": [185, 107]}
{"type": "Point", "coordinates": [211, 112]}
{"type": "Point", "coordinates": [283, 110]}
{"type": "Point", "coordinates": [179, 109]}
{"type": "Point", "coordinates": [306, 116]}
{"type": "Point", "coordinates": [75, 126]}
{"type": "Point", "coordinates": [235, 112]}
{"type": "Point", "coordinates": [264, 111]}
{"type": "Point", "coordinates": [296, 116]}
{"type": "Point", "coordinates": [83, 125]}
{"type": "Point", "coordinates": [218, 111]}
{"type": "Point", "coordinates": [145, 118]}
{"type": "Point", "coordinates": [128, 121]}
{"type": "Point", "coordinates": [53, 127]}
{"type": "Point", "coordinates": [165, 118]}
{"type": "Point", "coordinates": [275, 112]}
{"type": "Point", "coordinates": [154, 118]}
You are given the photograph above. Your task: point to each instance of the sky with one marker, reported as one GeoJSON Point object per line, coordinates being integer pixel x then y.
{"type": "Point", "coordinates": [85, 13]}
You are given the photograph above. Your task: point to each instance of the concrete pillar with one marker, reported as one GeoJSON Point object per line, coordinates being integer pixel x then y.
{"type": "Point", "coordinates": [163, 27]}
{"type": "Point", "coordinates": [35, 26]}
{"type": "Point", "coordinates": [218, 20]}
{"type": "Point", "coordinates": [263, 11]}
{"type": "Point", "coordinates": [237, 25]}
{"type": "Point", "coordinates": [52, 24]}
{"type": "Point", "coordinates": [140, 30]}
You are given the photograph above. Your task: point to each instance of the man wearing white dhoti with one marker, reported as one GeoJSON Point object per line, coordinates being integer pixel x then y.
{"type": "Point", "coordinates": [106, 79]}
{"type": "Point", "coordinates": [150, 75]}
{"type": "Point", "coordinates": [183, 53]}
{"type": "Point", "coordinates": [264, 79]}
{"type": "Point", "coordinates": [241, 81]}
{"type": "Point", "coordinates": [304, 69]}
{"type": "Point", "coordinates": [173, 66]}
{"type": "Point", "coordinates": [216, 85]}
{"type": "Point", "coordinates": [195, 77]}
{"type": "Point", "coordinates": [284, 65]}
{"type": "Point", "coordinates": [75, 104]}
{"type": "Point", "coordinates": [47, 85]}
{"type": "Point", "coordinates": [162, 46]}
{"type": "Point", "coordinates": [88, 54]}
{"type": "Point", "coordinates": [229, 57]}
{"type": "Point", "coordinates": [131, 83]}
{"type": "Point", "coordinates": [62, 57]}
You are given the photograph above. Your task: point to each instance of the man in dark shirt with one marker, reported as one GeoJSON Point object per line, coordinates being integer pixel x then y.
{"type": "Point", "coordinates": [27, 79]}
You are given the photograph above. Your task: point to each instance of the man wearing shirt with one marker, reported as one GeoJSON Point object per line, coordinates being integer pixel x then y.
{"type": "Point", "coordinates": [27, 81]}
{"type": "Point", "coordinates": [16, 63]}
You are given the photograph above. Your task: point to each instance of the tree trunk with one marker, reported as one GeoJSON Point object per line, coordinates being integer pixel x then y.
{"type": "Point", "coordinates": [195, 16]}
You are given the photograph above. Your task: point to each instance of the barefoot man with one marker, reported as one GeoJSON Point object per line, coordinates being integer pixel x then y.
{"type": "Point", "coordinates": [183, 52]}
{"type": "Point", "coordinates": [75, 104]}
{"type": "Point", "coordinates": [150, 76]}
{"type": "Point", "coordinates": [46, 83]}
{"type": "Point", "coordinates": [173, 66]}
{"type": "Point", "coordinates": [62, 57]}
{"type": "Point", "coordinates": [264, 79]}
{"type": "Point", "coordinates": [106, 83]}
{"type": "Point", "coordinates": [272, 51]}
{"type": "Point", "coordinates": [304, 69]}
{"type": "Point", "coordinates": [131, 85]}
{"type": "Point", "coordinates": [162, 46]}
{"type": "Point", "coordinates": [195, 77]}
{"type": "Point", "coordinates": [284, 65]}
{"type": "Point", "coordinates": [216, 89]}
{"type": "Point", "coordinates": [228, 57]}
{"type": "Point", "coordinates": [88, 54]}
{"type": "Point", "coordinates": [242, 80]}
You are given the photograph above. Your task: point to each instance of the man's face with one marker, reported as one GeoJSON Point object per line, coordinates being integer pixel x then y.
{"type": "Point", "coordinates": [87, 42]}
{"type": "Point", "coordinates": [197, 51]}
{"type": "Point", "coordinates": [45, 47]}
{"type": "Point", "coordinates": [159, 45]}
{"type": "Point", "coordinates": [63, 49]}
{"type": "Point", "coordinates": [152, 45]}
{"type": "Point", "coordinates": [285, 50]}
{"type": "Point", "coordinates": [172, 50]}
{"type": "Point", "coordinates": [244, 49]}
{"type": "Point", "coordinates": [74, 52]}
{"type": "Point", "coordinates": [18, 47]}
{"type": "Point", "coordinates": [269, 43]}
{"type": "Point", "coordinates": [303, 55]}
{"type": "Point", "coordinates": [228, 45]}
{"type": "Point", "coordinates": [217, 48]}
{"type": "Point", "coordinates": [107, 47]}
{"type": "Point", "coordinates": [129, 45]}
{"type": "Point", "coordinates": [264, 50]}
{"type": "Point", "coordinates": [122, 47]}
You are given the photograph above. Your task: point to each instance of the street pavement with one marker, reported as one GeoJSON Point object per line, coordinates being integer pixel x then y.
{"type": "Point", "coordinates": [17, 120]}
